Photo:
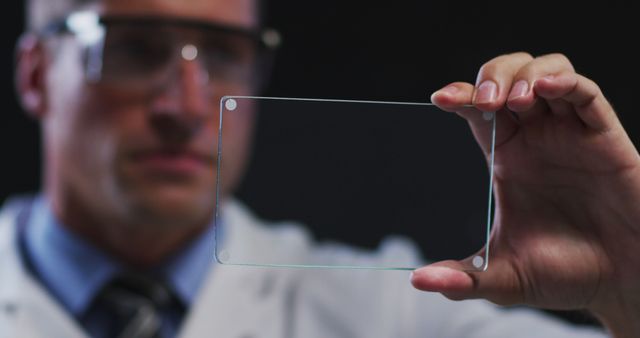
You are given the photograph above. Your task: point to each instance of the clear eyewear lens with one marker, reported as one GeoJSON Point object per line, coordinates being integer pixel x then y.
{"type": "Point", "coordinates": [147, 52]}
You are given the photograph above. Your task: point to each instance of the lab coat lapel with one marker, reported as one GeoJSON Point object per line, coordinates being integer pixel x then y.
{"type": "Point", "coordinates": [26, 309]}
{"type": "Point", "coordinates": [240, 301]}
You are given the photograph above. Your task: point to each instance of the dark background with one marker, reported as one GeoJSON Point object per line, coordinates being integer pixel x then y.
{"type": "Point", "coordinates": [401, 50]}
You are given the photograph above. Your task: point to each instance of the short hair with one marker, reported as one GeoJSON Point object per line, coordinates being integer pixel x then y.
{"type": "Point", "coordinates": [39, 13]}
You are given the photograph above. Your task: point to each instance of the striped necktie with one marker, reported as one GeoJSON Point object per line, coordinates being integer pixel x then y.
{"type": "Point", "coordinates": [136, 305]}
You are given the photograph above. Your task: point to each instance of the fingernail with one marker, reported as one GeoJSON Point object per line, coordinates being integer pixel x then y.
{"type": "Point", "coordinates": [435, 272]}
{"type": "Point", "coordinates": [448, 90]}
{"type": "Point", "coordinates": [487, 92]}
{"type": "Point", "coordinates": [549, 77]}
{"type": "Point", "coordinates": [521, 88]}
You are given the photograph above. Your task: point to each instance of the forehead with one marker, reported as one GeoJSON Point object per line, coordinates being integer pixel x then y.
{"type": "Point", "coordinates": [233, 12]}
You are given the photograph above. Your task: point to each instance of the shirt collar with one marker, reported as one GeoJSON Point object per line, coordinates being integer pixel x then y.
{"type": "Point", "coordinates": [74, 270]}
{"type": "Point", "coordinates": [186, 270]}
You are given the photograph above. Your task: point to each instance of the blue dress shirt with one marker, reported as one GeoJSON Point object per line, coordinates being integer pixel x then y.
{"type": "Point", "coordinates": [74, 271]}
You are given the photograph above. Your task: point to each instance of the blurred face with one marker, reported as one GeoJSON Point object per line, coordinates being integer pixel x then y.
{"type": "Point", "coordinates": [142, 148]}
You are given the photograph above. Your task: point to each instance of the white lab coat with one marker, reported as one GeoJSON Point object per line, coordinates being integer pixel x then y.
{"type": "Point", "coordinates": [244, 302]}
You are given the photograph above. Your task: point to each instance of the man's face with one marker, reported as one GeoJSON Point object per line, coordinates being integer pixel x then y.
{"type": "Point", "coordinates": [145, 156]}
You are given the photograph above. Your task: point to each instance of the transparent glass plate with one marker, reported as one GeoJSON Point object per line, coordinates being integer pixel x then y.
{"type": "Point", "coordinates": [337, 181]}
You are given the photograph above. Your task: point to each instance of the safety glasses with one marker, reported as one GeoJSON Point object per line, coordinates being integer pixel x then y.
{"type": "Point", "coordinates": [142, 53]}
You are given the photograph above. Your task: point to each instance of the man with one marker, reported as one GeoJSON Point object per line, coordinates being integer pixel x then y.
{"type": "Point", "coordinates": [125, 103]}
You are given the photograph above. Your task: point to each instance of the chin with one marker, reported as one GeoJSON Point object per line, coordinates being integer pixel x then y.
{"type": "Point", "coordinates": [175, 206]}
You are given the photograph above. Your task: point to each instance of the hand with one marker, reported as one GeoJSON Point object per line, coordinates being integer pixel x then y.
{"type": "Point", "coordinates": [566, 233]}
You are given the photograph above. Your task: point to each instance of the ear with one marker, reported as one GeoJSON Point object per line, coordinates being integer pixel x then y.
{"type": "Point", "coordinates": [30, 74]}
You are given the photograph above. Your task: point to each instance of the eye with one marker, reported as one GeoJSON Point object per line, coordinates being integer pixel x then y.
{"type": "Point", "coordinates": [136, 53]}
{"type": "Point", "coordinates": [141, 48]}
{"type": "Point", "coordinates": [229, 50]}
{"type": "Point", "coordinates": [222, 53]}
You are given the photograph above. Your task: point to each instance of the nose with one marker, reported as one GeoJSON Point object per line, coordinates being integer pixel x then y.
{"type": "Point", "coordinates": [187, 90]}
{"type": "Point", "coordinates": [194, 82]}
{"type": "Point", "coordinates": [179, 109]}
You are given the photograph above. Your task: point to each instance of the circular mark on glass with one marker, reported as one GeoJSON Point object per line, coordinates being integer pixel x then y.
{"type": "Point", "coordinates": [189, 52]}
{"type": "Point", "coordinates": [271, 38]}
{"type": "Point", "coordinates": [231, 104]}
{"type": "Point", "coordinates": [487, 115]}
{"type": "Point", "coordinates": [478, 262]}
{"type": "Point", "coordinates": [223, 256]}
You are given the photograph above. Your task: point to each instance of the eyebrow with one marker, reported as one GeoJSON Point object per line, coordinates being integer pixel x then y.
{"type": "Point", "coordinates": [183, 22]}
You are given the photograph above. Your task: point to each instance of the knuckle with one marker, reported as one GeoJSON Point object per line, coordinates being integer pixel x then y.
{"type": "Point", "coordinates": [558, 58]}
{"type": "Point", "coordinates": [522, 55]}
{"type": "Point", "coordinates": [487, 69]}
{"type": "Point", "coordinates": [490, 70]}
{"type": "Point", "coordinates": [526, 72]}
{"type": "Point", "coordinates": [592, 88]}
{"type": "Point", "coordinates": [592, 83]}
{"type": "Point", "coordinates": [505, 62]}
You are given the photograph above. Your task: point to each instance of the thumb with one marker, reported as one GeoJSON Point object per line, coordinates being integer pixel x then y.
{"type": "Point", "coordinates": [499, 283]}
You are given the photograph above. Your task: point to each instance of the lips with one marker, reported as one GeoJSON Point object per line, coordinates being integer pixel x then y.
{"type": "Point", "coordinates": [173, 161]}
